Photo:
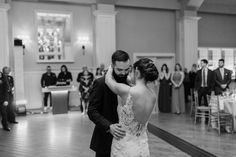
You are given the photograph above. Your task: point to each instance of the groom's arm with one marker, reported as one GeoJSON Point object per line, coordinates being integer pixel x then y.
{"type": "Point", "coordinates": [96, 104]}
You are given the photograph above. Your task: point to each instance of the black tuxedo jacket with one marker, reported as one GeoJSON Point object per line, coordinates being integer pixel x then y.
{"type": "Point", "coordinates": [4, 90]}
{"type": "Point", "coordinates": [219, 81]}
{"type": "Point", "coordinates": [102, 110]}
{"type": "Point", "coordinates": [210, 80]}
{"type": "Point", "coordinates": [48, 80]}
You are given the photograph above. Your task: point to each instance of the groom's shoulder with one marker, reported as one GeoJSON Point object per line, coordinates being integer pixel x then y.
{"type": "Point", "coordinates": [100, 80]}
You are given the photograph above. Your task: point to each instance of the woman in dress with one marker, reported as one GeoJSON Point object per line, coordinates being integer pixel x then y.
{"type": "Point", "coordinates": [192, 76]}
{"type": "Point", "coordinates": [134, 110]}
{"type": "Point", "coordinates": [64, 76]}
{"type": "Point", "coordinates": [164, 99]}
{"type": "Point", "coordinates": [86, 82]}
{"type": "Point", "coordinates": [178, 102]}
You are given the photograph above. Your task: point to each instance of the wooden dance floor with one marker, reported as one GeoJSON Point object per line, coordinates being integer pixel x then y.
{"type": "Point", "coordinates": [68, 135]}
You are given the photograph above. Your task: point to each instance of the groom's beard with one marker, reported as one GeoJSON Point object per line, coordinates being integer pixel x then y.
{"type": "Point", "coordinates": [120, 78]}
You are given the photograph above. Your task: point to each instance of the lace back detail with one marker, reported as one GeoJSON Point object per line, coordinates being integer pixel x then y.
{"type": "Point", "coordinates": [127, 118]}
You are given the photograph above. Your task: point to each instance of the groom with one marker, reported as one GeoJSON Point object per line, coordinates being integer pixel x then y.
{"type": "Point", "coordinates": [102, 109]}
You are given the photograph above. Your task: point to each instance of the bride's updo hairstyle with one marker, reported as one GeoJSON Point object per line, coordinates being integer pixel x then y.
{"type": "Point", "coordinates": [147, 68]}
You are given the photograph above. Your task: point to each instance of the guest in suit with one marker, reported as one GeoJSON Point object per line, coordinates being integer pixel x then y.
{"type": "Point", "coordinates": [48, 79]}
{"type": "Point", "coordinates": [204, 82]}
{"type": "Point", "coordinates": [102, 109]}
{"type": "Point", "coordinates": [85, 80]}
{"type": "Point", "coordinates": [4, 99]}
{"type": "Point", "coordinates": [11, 108]}
{"type": "Point", "coordinates": [222, 78]}
{"type": "Point", "coordinates": [64, 77]}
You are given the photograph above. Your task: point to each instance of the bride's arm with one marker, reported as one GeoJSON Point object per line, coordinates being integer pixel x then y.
{"type": "Point", "coordinates": [118, 88]}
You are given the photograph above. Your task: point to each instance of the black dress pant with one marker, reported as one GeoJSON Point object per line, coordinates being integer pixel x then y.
{"type": "Point", "coordinates": [202, 93]}
{"type": "Point", "coordinates": [102, 155]}
{"type": "Point", "coordinates": [45, 99]}
{"type": "Point", "coordinates": [11, 117]}
{"type": "Point", "coordinates": [3, 110]}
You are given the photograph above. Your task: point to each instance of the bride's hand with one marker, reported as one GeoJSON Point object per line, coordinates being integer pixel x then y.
{"type": "Point", "coordinates": [110, 69]}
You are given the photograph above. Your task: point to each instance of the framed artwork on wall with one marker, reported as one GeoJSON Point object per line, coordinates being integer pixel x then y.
{"type": "Point", "coordinates": [53, 37]}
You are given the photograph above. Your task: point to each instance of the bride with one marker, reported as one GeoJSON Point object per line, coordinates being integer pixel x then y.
{"type": "Point", "coordinates": [134, 109]}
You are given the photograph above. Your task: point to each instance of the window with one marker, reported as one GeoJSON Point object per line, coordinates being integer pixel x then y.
{"type": "Point", "coordinates": [54, 37]}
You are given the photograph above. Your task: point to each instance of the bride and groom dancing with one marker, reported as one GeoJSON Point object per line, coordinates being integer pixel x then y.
{"type": "Point", "coordinates": [121, 121]}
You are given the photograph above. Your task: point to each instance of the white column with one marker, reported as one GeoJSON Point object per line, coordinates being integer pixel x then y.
{"type": "Point", "coordinates": [105, 32]}
{"type": "Point", "coordinates": [19, 75]}
{"type": "Point", "coordinates": [187, 39]}
{"type": "Point", "coordinates": [4, 35]}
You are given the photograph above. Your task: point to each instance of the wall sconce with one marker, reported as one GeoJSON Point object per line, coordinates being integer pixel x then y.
{"type": "Point", "coordinates": [24, 39]}
{"type": "Point", "coordinates": [83, 41]}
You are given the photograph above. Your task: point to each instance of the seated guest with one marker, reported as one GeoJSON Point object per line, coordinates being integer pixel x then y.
{"type": "Point", "coordinates": [11, 108]}
{"type": "Point", "coordinates": [85, 78]}
{"type": "Point", "coordinates": [4, 99]}
{"type": "Point", "coordinates": [222, 78]}
{"type": "Point", "coordinates": [64, 77]}
{"type": "Point", "coordinates": [48, 79]}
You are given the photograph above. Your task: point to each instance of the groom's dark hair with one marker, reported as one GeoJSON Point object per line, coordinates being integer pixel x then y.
{"type": "Point", "coordinates": [120, 56]}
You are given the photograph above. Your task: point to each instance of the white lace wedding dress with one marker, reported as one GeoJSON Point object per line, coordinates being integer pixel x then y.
{"type": "Point", "coordinates": [135, 142]}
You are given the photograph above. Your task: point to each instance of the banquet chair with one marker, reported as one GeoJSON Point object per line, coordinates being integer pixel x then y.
{"type": "Point", "coordinates": [200, 111]}
{"type": "Point", "coordinates": [219, 117]}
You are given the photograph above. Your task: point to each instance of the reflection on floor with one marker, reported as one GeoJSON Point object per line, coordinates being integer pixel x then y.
{"type": "Point", "coordinates": [64, 135]}
{"type": "Point", "coordinates": [183, 126]}
{"type": "Point", "coordinates": [68, 135]}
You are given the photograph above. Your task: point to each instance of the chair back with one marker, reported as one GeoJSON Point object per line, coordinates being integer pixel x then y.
{"type": "Point", "coordinates": [213, 102]}
{"type": "Point", "coordinates": [196, 98]}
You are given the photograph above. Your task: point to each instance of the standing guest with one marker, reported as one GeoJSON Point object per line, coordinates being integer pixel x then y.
{"type": "Point", "coordinates": [204, 82]}
{"type": "Point", "coordinates": [164, 98]}
{"type": "Point", "coordinates": [178, 103]}
{"type": "Point", "coordinates": [48, 79]}
{"type": "Point", "coordinates": [85, 79]}
{"type": "Point", "coordinates": [186, 83]}
{"type": "Point", "coordinates": [192, 76]}
{"type": "Point", "coordinates": [100, 71]}
{"type": "Point", "coordinates": [64, 77]}
{"type": "Point", "coordinates": [11, 117]}
{"type": "Point", "coordinates": [222, 78]}
{"type": "Point", "coordinates": [4, 99]}
{"type": "Point", "coordinates": [102, 109]}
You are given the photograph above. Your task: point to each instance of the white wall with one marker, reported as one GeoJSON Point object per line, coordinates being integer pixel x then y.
{"type": "Point", "coordinates": [145, 30]}
{"type": "Point", "coordinates": [217, 30]}
{"type": "Point", "coordinates": [23, 23]}
{"type": "Point", "coordinates": [22, 16]}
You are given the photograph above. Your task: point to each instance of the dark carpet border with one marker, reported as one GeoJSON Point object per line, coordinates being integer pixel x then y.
{"type": "Point", "coordinates": [179, 143]}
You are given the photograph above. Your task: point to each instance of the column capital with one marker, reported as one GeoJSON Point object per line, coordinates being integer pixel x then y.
{"type": "Point", "coordinates": [104, 13]}
{"type": "Point", "coordinates": [192, 18]}
{"type": "Point", "coordinates": [105, 9]}
{"type": "Point", "coordinates": [4, 7]}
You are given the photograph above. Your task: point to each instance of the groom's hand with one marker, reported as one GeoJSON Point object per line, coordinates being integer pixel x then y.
{"type": "Point", "coordinates": [117, 131]}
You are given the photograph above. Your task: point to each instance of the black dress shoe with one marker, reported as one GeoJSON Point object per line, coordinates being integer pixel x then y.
{"type": "Point", "coordinates": [6, 129]}
{"type": "Point", "coordinates": [14, 122]}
